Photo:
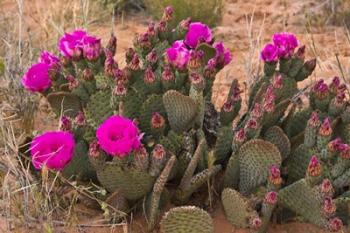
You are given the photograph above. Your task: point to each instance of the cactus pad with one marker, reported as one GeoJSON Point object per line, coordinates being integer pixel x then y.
{"type": "Point", "coordinates": [187, 219]}
{"type": "Point", "coordinates": [256, 157]}
{"type": "Point", "coordinates": [276, 136]}
{"type": "Point", "coordinates": [303, 200]}
{"type": "Point", "coordinates": [181, 110]}
{"type": "Point", "coordinates": [64, 102]}
{"type": "Point", "coordinates": [237, 209]}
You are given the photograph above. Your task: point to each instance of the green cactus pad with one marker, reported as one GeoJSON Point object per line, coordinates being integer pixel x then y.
{"type": "Point", "coordinates": [99, 108]}
{"type": "Point", "coordinates": [276, 136]}
{"type": "Point", "coordinates": [298, 162]}
{"type": "Point", "coordinates": [187, 219]}
{"type": "Point", "coordinates": [297, 123]}
{"type": "Point", "coordinates": [181, 110]}
{"type": "Point", "coordinates": [151, 105]}
{"type": "Point", "coordinates": [237, 209]}
{"type": "Point", "coordinates": [345, 132]}
{"type": "Point", "coordinates": [304, 201]}
{"type": "Point", "coordinates": [231, 177]}
{"type": "Point", "coordinates": [132, 104]}
{"type": "Point", "coordinates": [79, 167]}
{"type": "Point", "coordinates": [135, 184]}
{"type": "Point", "coordinates": [64, 102]}
{"type": "Point", "coordinates": [256, 157]}
{"type": "Point", "coordinates": [287, 91]}
{"type": "Point", "coordinates": [222, 149]}
{"type": "Point", "coordinates": [343, 180]}
{"type": "Point", "coordinates": [172, 142]}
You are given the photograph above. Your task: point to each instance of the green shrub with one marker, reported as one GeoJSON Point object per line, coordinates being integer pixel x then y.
{"type": "Point", "coordinates": [206, 11]}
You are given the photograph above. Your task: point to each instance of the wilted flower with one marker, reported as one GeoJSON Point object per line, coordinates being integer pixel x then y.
{"type": "Point", "coordinates": [286, 43]}
{"type": "Point", "coordinates": [210, 68]}
{"type": "Point", "coordinates": [198, 33]}
{"type": "Point", "coordinates": [143, 41]}
{"type": "Point", "coordinates": [53, 150]}
{"type": "Point", "coordinates": [72, 82]}
{"type": "Point", "coordinates": [118, 136]}
{"type": "Point", "coordinates": [197, 79]}
{"type": "Point", "coordinates": [269, 53]}
{"type": "Point", "coordinates": [178, 55]}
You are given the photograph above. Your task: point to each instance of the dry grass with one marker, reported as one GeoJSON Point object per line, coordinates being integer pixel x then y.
{"type": "Point", "coordinates": [206, 11]}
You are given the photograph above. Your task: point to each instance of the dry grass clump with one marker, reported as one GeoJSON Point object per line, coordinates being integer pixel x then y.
{"type": "Point", "coordinates": [207, 11]}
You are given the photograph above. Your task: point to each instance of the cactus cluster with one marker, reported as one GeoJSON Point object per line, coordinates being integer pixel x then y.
{"type": "Point", "coordinates": [149, 134]}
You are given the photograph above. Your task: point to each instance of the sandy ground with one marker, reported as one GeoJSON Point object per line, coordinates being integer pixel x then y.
{"type": "Point", "coordinates": [246, 26]}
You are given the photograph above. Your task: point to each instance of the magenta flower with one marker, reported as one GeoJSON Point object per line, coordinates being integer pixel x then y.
{"type": "Point", "coordinates": [286, 43]}
{"type": "Point", "coordinates": [71, 44]}
{"type": "Point", "coordinates": [118, 136]}
{"type": "Point", "coordinates": [52, 149]}
{"type": "Point", "coordinates": [198, 33]}
{"type": "Point", "coordinates": [223, 56]}
{"type": "Point", "coordinates": [50, 59]}
{"type": "Point", "coordinates": [269, 53]}
{"type": "Point", "coordinates": [91, 47]}
{"type": "Point", "coordinates": [37, 78]}
{"type": "Point", "coordinates": [178, 55]}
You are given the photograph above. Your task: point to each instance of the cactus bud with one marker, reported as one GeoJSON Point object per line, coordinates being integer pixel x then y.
{"type": "Point", "coordinates": [310, 65]}
{"type": "Point", "coordinates": [94, 149]}
{"type": "Point", "coordinates": [252, 123]}
{"type": "Point", "coordinates": [72, 82]}
{"type": "Point", "coordinates": [88, 74]}
{"type": "Point", "coordinates": [255, 223]}
{"type": "Point", "coordinates": [210, 69]}
{"type": "Point", "coordinates": [320, 89]}
{"type": "Point", "coordinates": [152, 57]}
{"type": "Point", "coordinates": [333, 146]}
{"type": "Point", "coordinates": [168, 13]}
{"type": "Point", "coordinates": [240, 136]}
{"type": "Point", "coordinates": [195, 61]}
{"type": "Point", "coordinates": [227, 107]}
{"type": "Point", "coordinates": [344, 151]}
{"type": "Point", "coordinates": [271, 198]}
{"type": "Point", "coordinates": [109, 66]}
{"type": "Point", "coordinates": [326, 128]}
{"type": "Point", "coordinates": [141, 159]}
{"type": "Point", "coordinates": [65, 61]}
{"type": "Point", "coordinates": [77, 54]}
{"type": "Point", "coordinates": [119, 75]}
{"type": "Point", "coordinates": [257, 111]}
{"type": "Point", "coordinates": [135, 63]}
{"type": "Point", "coordinates": [149, 76]}
{"type": "Point", "coordinates": [158, 151]}
{"type": "Point", "coordinates": [157, 121]}
{"type": "Point", "coordinates": [314, 121]}
{"type": "Point", "coordinates": [277, 82]}
{"type": "Point", "coordinates": [326, 188]}
{"type": "Point", "coordinates": [65, 123]}
{"type": "Point", "coordinates": [335, 224]}
{"type": "Point", "coordinates": [158, 159]}
{"type": "Point", "coordinates": [314, 168]}
{"type": "Point", "coordinates": [197, 80]}
{"type": "Point", "coordinates": [328, 207]}
{"type": "Point", "coordinates": [167, 74]}
{"type": "Point", "coordinates": [80, 119]}
{"type": "Point", "coordinates": [112, 44]}
{"type": "Point", "coordinates": [185, 24]}
{"type": "Point", "coordinates": [275, 175]}
{"type": "Point", "coordinates": [300, 54]}
{"type": "Point", "coordinates": [143, 41]}
{"type": "Point", "coordinates": [162, 26]}
{"type": "Point", "coordinates": [151, 29]}
{"type": "Point", "coordinates": [342, 87]}
{"type": "Point", "coordinates": [236, 94]}
{"type": "Point", "coordinates": [129, 54]}
{"type": "Point", "coordinates": [120, 89]}
{"type": "Point", "coordinates": [333, 87]}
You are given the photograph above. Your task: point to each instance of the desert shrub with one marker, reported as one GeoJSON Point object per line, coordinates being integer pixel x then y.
{"type": "Point", "coordinates": [122, 5]}
{"type": "Point", "coordinates": [206, 11]}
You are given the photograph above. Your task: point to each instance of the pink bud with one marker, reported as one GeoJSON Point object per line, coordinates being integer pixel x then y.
{"type": "Point", "coordinates": [185, 24]}
{"type": "Point", "coordinates": [149, 76]}
{"type": "Point", "coordinates": [255, 223]}
{"type": "Point", "coordinates": [271, 197]}
{"type": "Point", "coordinates": [326, 128]}
{"type": "Point", "coordinates": [277, 82]}
{"type": "Point", "coordinates": [236, 94]}
{"type": "Point", "coordinates": [135, 62]}
{"type": "Point", "coordinates": [196, 79]}
{"type": "Point", "coordinates": [152, 57]}
{"type": "Point", "coordinates": [168, 13]}
{"type": "Point", "coordinates": [328, 206]}
{"type": "Point", "coordinates": [88, 74]}
{"type": "Point", "coordinates": [151, 29]}
{"type": "Point", "coordinates": [157, 121]}
{"type": "Point", "coordinates": [167, 74]}
{"type": "Point", "coordinates": [335, 224]}
{"type": "Point", "coordinates": [65, 124]}
{"type": "Point", "coordinates": [252, 123]}
{"type": "Point", "coordinates": [80, 119]}
{"type": "Point", "coordinates": [158, 151]}
{"type": "Point", "coordinates": [327, 187]}
{"type": "Point", "coordinates": [227, 107]}
{"type": "Point", "coordinates": [162, 26]}
{"type": "Point", "coordinates": [275, 175]}
{"type": "Point", "coordinates": [257, 111]}
{"type": "Point", "coordinates": [314, 120]}
{"type": "Point", "coordinates": [240, 135]}
{"type": "Point", "coordinates": [94, 149]}
{"type": "Point", "coordinates": [334, 145]}
{"type": "Point", "coordinates": [196, 58]}
{"type": "Point", "coordinates": [119, 89]}
{"type": "Point", "coordinates": [344, 151]}
{"type": "Point", "coordinates": [314, 168]}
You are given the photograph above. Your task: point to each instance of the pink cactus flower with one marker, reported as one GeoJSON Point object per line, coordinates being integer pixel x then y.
{"type": "Point", "coordinates": [37, 78]}
{"type": "Point", "coordinates": [92, 48]}
{"type": "Point", "coordinates": [178, 55]}
{"type": "Point", "coordinates": [53, 150]}
{"type": "Point", "coordinates": [223, 56]}
{"type": "Point", "coordinates": [269, 53]}
{"type": "Point", "coordinates": [51, 60]}
{"type": "Point", "coordinates": [286, 43]}
{"type": "Point", "coordinates": [71, 44]}
{"type": "Point", "coordinates": [118, 136]}
{"type": "Point", "coordinates": [198, 33]}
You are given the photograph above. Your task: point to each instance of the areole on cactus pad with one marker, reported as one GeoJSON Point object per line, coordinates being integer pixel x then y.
{"type": "Point", "coordinates": [149, 134]}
